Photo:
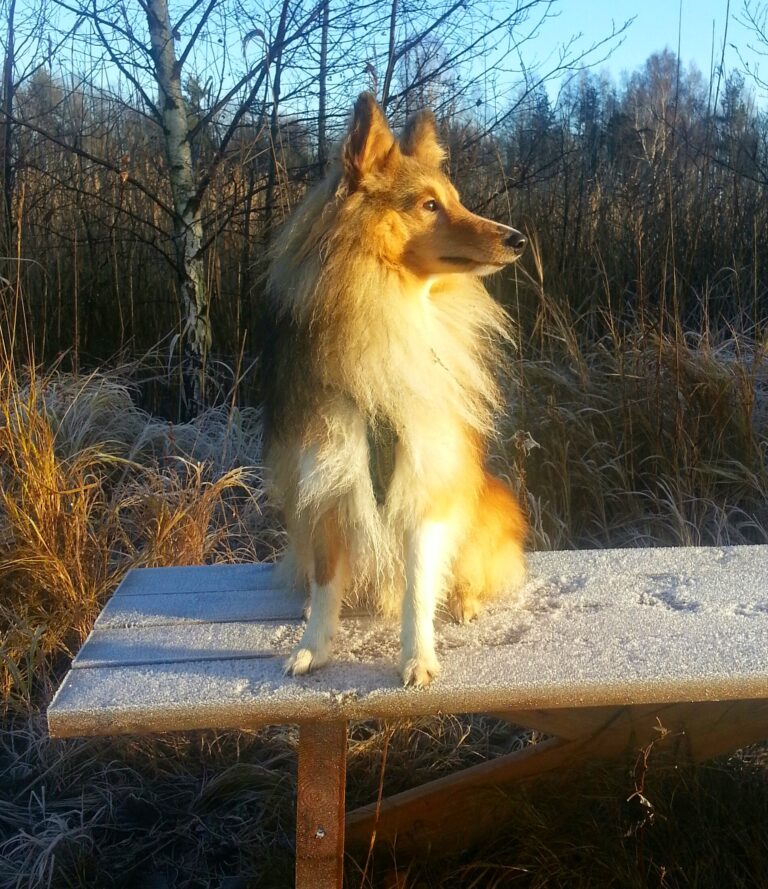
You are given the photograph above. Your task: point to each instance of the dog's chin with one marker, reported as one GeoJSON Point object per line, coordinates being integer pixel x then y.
{"type": "Point", "coordinates": [483, 271]}
{"type": "Point", "coordinates": [472, 267]}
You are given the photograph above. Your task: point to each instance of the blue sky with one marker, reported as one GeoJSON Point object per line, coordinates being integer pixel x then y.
{"type": "Point", "coordinates": [655, 26]}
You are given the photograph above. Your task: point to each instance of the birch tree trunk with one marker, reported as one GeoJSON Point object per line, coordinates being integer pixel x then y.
{"type": "Point", "coordinates": [187, 221]}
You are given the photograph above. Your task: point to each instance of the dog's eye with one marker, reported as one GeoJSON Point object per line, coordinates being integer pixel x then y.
{"type": "Point", "coordinates": [431, 205]}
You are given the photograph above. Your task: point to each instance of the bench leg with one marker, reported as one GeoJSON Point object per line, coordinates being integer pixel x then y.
{"type": "Point", "coordinates": [320, 805]}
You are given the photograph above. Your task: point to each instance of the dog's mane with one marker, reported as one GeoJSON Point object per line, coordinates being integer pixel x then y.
{"type": "Point", "coordinates": [398, 350]}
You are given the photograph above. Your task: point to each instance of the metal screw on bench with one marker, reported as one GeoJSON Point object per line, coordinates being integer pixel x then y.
{"type": "Point", "coordinates": [320, 833]}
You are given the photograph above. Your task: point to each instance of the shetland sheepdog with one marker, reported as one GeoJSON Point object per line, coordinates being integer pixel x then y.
{"type": "Point", "coordinates": [381, 353]}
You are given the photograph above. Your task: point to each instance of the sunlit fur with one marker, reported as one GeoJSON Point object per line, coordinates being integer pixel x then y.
{"type": "Point", "coordinates": [377, 321]}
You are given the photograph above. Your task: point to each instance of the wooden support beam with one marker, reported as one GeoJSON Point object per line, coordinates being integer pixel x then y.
{"type": "Point", "coordinates": [451, 813]}
{"type": "Point", "coordinates": [320, 805]}
{"type": "Point", "coordinates": [698, 731]}
{"type": "Point", "coordinates": [567, 723]}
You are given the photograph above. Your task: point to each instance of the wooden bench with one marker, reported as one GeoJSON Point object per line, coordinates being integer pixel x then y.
{"type": "Point", "coordinates": [607, 647]}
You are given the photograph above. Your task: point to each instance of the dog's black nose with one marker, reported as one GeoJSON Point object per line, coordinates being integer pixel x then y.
{"type": "Point", "coordinates": [515, 240]}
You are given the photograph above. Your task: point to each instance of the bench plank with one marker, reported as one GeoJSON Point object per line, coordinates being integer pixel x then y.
{"type": "Point", "coordinates": [188, 642]}
{"type": "Point", "coordinates": [154, 609]}
{"type": "Point", "coordinates": [238, 693]}
{"type": "Point", "coordinates": [597, 628]}
{"type": "Point", "coordinates": [191, 579]}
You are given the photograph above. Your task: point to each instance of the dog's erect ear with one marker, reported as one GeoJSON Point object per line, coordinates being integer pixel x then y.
{"type": "Point", "coordinates": [370, 144]}
{"type": "Point", "coordinates": [420, 140]}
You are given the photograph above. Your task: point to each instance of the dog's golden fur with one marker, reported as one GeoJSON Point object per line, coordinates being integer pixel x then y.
{"type": "Point", "coordinates": [379, 326]}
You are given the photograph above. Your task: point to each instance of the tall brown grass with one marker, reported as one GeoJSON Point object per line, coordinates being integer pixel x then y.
{"type": "Point", "coordinates": [92, 486]}
{"type": "Point", "coordinates": [648, 434]}
{"type": "Point", "coordinates": [651, 192]}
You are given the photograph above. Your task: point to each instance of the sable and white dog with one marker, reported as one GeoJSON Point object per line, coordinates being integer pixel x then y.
{"type": "Point", "coordinates": [381, 342]}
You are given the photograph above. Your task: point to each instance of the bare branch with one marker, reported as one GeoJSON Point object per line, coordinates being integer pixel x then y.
{"type": "Point", "coordinates": [95, 159]}
{"type": "Point", "coordinates": [124, 70]}
{"type": "Point", "coordinates": [198, 28]}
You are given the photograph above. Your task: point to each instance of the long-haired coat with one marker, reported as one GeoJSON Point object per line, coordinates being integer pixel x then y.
{"type": "Point", "coordinates": [380, 332]}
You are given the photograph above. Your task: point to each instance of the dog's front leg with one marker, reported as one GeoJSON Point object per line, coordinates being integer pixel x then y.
{"type": "Point", "coordinates": [316, 642]}
{"type": "Point", "coordinates": [330, 576]}
{"type": "Point", "coordinates": [426, 560]}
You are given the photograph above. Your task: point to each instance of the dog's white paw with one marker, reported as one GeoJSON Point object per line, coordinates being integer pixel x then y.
{"type": "Point", "coordinates": [303, 660]}
{"type": "Point", "coordinates": [419, 672]}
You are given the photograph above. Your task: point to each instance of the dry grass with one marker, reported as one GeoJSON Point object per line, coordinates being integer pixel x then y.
{"type": "Point", "coordinates": [636, 435]}
{"type": "Point", "coordinates": [92, 486]}
{"type": "Point", "coordinates": [652, 442]}
{"type": "Point", "coordinates": [629, 433]}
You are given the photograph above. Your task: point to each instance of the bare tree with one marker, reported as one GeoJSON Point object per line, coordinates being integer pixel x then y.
{"type": "Point", "coordinates": [193, 126]}
{"type": "Point", "coordinates": [8, 93]}
{"type": "Point", "coordinates": [187, 222]}
{"type": "Point", "coordinates": [161, 62]}
{"type": "Point", "coordinates": [322, 90]}
{"type": "Point", "coordinates": [274, 122]}
{"type": "Point", "coordinates": [754, 17]}
{"type": "Point", "coordinates": [28, 46]}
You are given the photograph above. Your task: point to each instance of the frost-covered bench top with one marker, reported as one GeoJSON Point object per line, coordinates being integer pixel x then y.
{"type": "Point", "coordinates": [202, 647]}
